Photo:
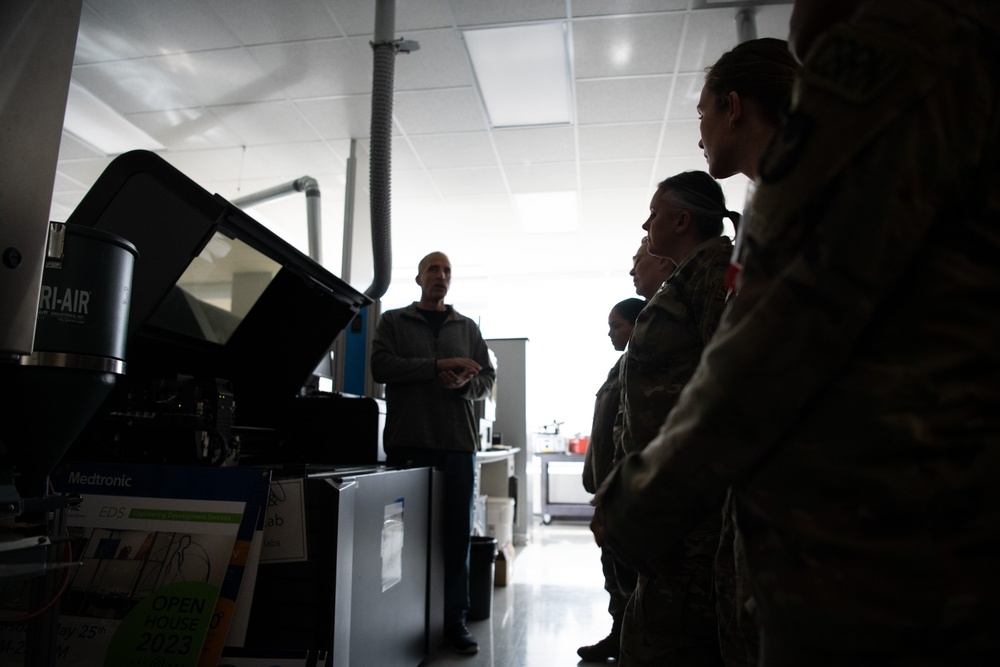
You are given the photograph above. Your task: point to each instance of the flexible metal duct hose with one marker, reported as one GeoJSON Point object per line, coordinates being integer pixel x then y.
{"type": "Point", "coordinates": [381, 162]}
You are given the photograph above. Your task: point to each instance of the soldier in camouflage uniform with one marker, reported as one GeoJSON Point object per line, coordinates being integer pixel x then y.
{"type": "Point", "coordinates": [851, 395]}
{"type": "Point", "coordinates": [745, 96]}
{"type": "Point", "coordinates": [648, 275]}
{"type": "Point", "coordinates": [670, 618]}
{"type": "Point", "coordinates": [597, 463]}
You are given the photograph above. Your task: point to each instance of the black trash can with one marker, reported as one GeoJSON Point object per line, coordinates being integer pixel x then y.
{"type": "Point", "coordinates": [482, 556]}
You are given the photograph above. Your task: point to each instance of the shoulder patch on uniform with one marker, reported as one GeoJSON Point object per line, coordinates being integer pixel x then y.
{"type": "Point", "coordinates": [786, 148]}
{"type": "Point", "coordinates": [849, 66]}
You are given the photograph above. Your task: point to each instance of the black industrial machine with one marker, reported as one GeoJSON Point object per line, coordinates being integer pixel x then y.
{"type": "Point", "coordinates": [50, 394]}
{"type": "Point", "coordinates": [228, 322]}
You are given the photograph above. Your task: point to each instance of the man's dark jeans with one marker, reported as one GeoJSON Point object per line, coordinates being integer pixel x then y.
{"type": "Point", "coordinates": [459, 480]}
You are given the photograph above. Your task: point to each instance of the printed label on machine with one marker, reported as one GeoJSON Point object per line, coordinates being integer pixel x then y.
{"type": "Point", "coordinates": [392, 545]}
{"type": "Point", "coordinates": [284, 523]}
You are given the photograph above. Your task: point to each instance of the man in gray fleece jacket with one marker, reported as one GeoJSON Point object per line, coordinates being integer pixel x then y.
{"type": "Point", "coordinates": [434, 364]}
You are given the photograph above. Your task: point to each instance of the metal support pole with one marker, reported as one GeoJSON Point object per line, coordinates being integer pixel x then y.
{"type": "Point", "coordinates": [746, 24]}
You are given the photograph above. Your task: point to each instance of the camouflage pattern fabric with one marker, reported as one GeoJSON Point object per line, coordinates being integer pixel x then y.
{"type": "Point", "coordinates": [667, 341]}
{"type": "Point", "coordinates": [599, 458]}
{"type": "Point", "coordinates": [674, 613]}
{"type": "Point", "coordinates": [738, 634]}
{"type": "Point", "coordinates": [619, 584]}
{"type": "Point", "coordinates": [597, 463]}
{"type": "Point", "coordinates": [851, 395]}
{"type": "Point", "coordinates": [670, 619]}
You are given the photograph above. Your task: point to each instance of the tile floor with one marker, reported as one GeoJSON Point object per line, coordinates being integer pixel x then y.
{"type": "Point", "coordinates": [555, 604]}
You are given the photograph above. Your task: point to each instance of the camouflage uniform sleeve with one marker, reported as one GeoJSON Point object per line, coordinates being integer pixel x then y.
{"type": "Point", "coordinates": [849, 192]}
{"type": "Point", "coordinates": [668, 339]}
{"type": "Point", "coordinates": [599, 457]}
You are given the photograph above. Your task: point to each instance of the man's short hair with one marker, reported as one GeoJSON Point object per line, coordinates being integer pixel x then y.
{"type": "Point", "coordinates": [423, 261]}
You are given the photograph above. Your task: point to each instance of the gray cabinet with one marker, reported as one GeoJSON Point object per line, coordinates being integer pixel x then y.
{"type": "Point", "coordinates": [511, 422]}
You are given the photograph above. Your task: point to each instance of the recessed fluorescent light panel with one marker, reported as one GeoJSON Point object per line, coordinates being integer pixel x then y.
{"type": "Point", "coordinates": [523, 73]}
{"type": "Point", "coordinates": [547, 212]}
{"type": "Point", "coordinates": [748, 4]}
{"type": "Point", "coordinates": [95, 123]}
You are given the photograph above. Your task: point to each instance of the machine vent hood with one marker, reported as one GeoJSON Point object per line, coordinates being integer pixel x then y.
{"type": "Point", "coordinates": [215, 293]}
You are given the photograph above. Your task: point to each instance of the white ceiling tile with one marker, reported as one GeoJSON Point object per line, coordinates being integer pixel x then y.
{"type": "Point", "coordinates": [401, 153]}
{"type": "Point", "coordinates": [286, 216]}
{"type": "Point", "coordinates": [680, 138]}
{"type": "Point", "coordinates": [134, 85]}
{"type": "Point", "coordinates": [65, 183]}
{"type": "Point", "coordinates": [265, 21]}
{"type": "Point", "coordinates": [687, 92]}
{"type": "Point", "coordinates": [440, 62]}
{"type": "Point", "coordinates": [84, 171]}
{"type": "Point", "coordinates": [176, 26]}
{"type": "Point", "coordinates": [339, 117]}
{"type": "Point", "coordinates": [605, 47]}
{"type": "Point", "coordinates": [288, 162]}
{"type": "Point", "coordinates": [185, 129]}
{"type": "Point", "coordinates": [317, 68]}
{"type": "Point", "coordinates": [488, 215]}
{"type": "Point", "coordinates": [99, 41]}
{"type": "Point", "coordinates": [71, 148]}
{"type": "Point", "coordinates": [542, 177]}
{"type": "Point", "coordinates": [623, 210]}
{"type": "Point", "coordinates": [208, 165]}
{"type": "Point", "coordinates": [229, 76]}
{"type": "Point", "coordinates": [609, 142]}
{"type": "Point", "coordinates": [604, 7]}
{"type": "Point", "coordinates": [331, 187]}
{"type": "Point", "coordinates": [668, 166]}
{"type": "Point", "coordinates": [622, 100]}
{"type": "Point", "coordinates": [442, 151]}
{"type": "Point", "coordinates": [773, 20]}
{"type": "Point", "coordinates": [535, 144]}
{"type": "Point", "coordinates": [358, 18]}
{"type": "Point", "coordinates": [471, 181]}
{"type": "Point", "coordinates": [408, 183]}
{"type": "Point", "coordinates": [711, 32]}
{"type": "Point", "coordinates": [485, 12]}
{"type": "Point", "coordinates": [266, 122]}
{"type": "Point", "coordinates": [341, 148]}
{"type": "Point", "coordinates": [415, 212]}
{"type": "Point", "coordinates": [438, 111]}
{"type": "Point", "coordinates": [64, 204]}
{"type": "Point", "coordinates": [615, 174]}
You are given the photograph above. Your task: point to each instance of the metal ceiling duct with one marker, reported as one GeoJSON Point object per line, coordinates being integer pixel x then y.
{"type": "Point", "coordinates": [310, 187]}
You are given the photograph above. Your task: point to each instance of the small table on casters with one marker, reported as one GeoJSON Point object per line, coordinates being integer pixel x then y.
{"type": "Point", "coordinates": [550, 506]}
